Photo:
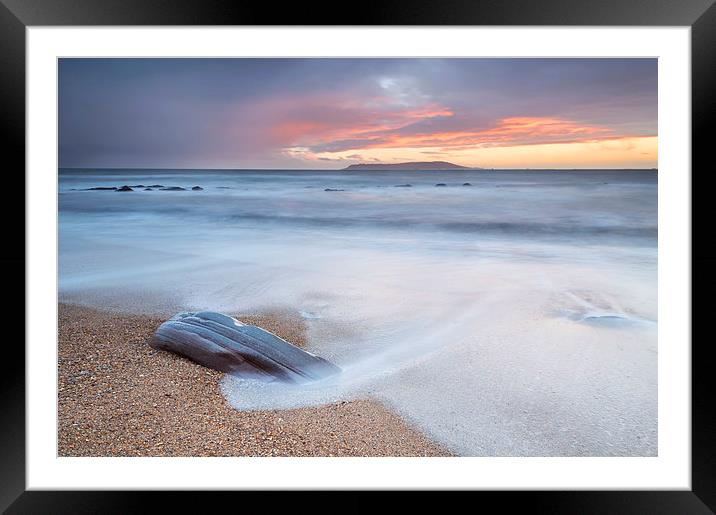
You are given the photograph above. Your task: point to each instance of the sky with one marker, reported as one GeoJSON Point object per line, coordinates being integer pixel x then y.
{"type": "Point", "coordinates": [330, 113]}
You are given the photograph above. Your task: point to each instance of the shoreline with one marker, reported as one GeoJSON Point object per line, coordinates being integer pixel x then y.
{"type": "Point", "coordinates": [119, 397]}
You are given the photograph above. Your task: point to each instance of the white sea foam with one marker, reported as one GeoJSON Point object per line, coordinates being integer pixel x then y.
{"type": "Point", "coordinates": [516, 317]}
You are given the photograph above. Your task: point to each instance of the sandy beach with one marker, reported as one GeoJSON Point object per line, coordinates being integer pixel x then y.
{"type": "Point", "coordinates": [120, 397]}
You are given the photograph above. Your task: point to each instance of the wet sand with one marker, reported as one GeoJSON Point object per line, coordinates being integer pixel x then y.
{"type": "Point", "coordinates": [120, 397]}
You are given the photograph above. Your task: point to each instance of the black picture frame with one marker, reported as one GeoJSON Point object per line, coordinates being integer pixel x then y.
{"type": "Point", "coordinates": [700, 15]}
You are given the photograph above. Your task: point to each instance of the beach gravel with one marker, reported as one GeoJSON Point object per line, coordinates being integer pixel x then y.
{"type": "Point", "coordinates": [119, 397]}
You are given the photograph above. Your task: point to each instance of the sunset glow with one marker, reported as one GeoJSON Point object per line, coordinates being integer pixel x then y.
{"type": "Point", "coordinates": [329, 113]}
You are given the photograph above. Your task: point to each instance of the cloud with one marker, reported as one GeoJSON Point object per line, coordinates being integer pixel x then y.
{"type": "Point", "coordinates": [304, 112]}
{"type": "Point", "coordinates": [511, 131]}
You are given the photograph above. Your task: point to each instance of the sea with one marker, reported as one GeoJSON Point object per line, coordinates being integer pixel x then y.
{"type": "Point", "coordinates": [502, 313]}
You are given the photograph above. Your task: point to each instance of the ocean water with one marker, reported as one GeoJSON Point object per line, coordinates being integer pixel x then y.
{"type": "Point", "coordinates": [515, 316]}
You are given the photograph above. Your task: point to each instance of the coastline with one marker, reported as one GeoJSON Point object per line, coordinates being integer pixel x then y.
{"type": "Point", "coordinates": [119, 397]}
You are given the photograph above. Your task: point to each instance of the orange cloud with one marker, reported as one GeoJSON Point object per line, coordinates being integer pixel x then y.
{"type": "Point", "coordinates": [350, 125]}
{"type": "Point", "coordinates": [620, 152]}
{"type": "Point", "coordinates": [315, 127]}
{"type": "Point", "coordinates": [508, 132]}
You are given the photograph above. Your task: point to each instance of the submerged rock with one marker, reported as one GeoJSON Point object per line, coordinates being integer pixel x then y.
{"type": "Point", "coordinates": [148, 189]}
{"type": "Point", "coordinates": [125, 188]}
{"type": "Point", "coordinates": [331, 189]}
{"type": "Point", "coordinates": [155, 186]}
{"type": "Point", "coordinates": [607, 319]}
{"type": "Point", "coordinates": [403, 185]}
{"type": "Point", "coordinates": [221, 342]}
{"type": "Point", "coordinates": [138, 186]}
{"type": "Point", "coordinates": [173, 188]}
{"type": "Point", "coordinates": [197, 188]}
{"type": "Point", "coordinates": [102, 188]}
{"type": "Point", "coordinates": [441, 184]}
{"type": "Point", "coordinates": [466, 184]}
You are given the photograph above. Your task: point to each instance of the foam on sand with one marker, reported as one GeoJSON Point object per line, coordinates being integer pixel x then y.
{"type": "Point", "coordinates": [514, 318]}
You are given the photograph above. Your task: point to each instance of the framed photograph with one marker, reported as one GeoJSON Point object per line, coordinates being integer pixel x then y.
{"type": "Point", "coordinates": [438, 248]}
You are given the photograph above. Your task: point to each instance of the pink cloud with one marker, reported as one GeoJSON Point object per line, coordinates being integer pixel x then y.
{"type": "Point", "coordinates": [301, 126]}
{"type": "Point", "coordinates": [506, 132]}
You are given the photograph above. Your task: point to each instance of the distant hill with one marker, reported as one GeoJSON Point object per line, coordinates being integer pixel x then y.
{"type": "Point", "coordinates": [414, 165]}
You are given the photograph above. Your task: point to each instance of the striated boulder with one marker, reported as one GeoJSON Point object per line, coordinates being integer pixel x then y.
{"type": "Point", "coordinates": [223, 343]}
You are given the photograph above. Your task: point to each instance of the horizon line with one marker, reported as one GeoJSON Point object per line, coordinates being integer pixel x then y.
{"type": "Point", "coordinates": [475, 169]}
